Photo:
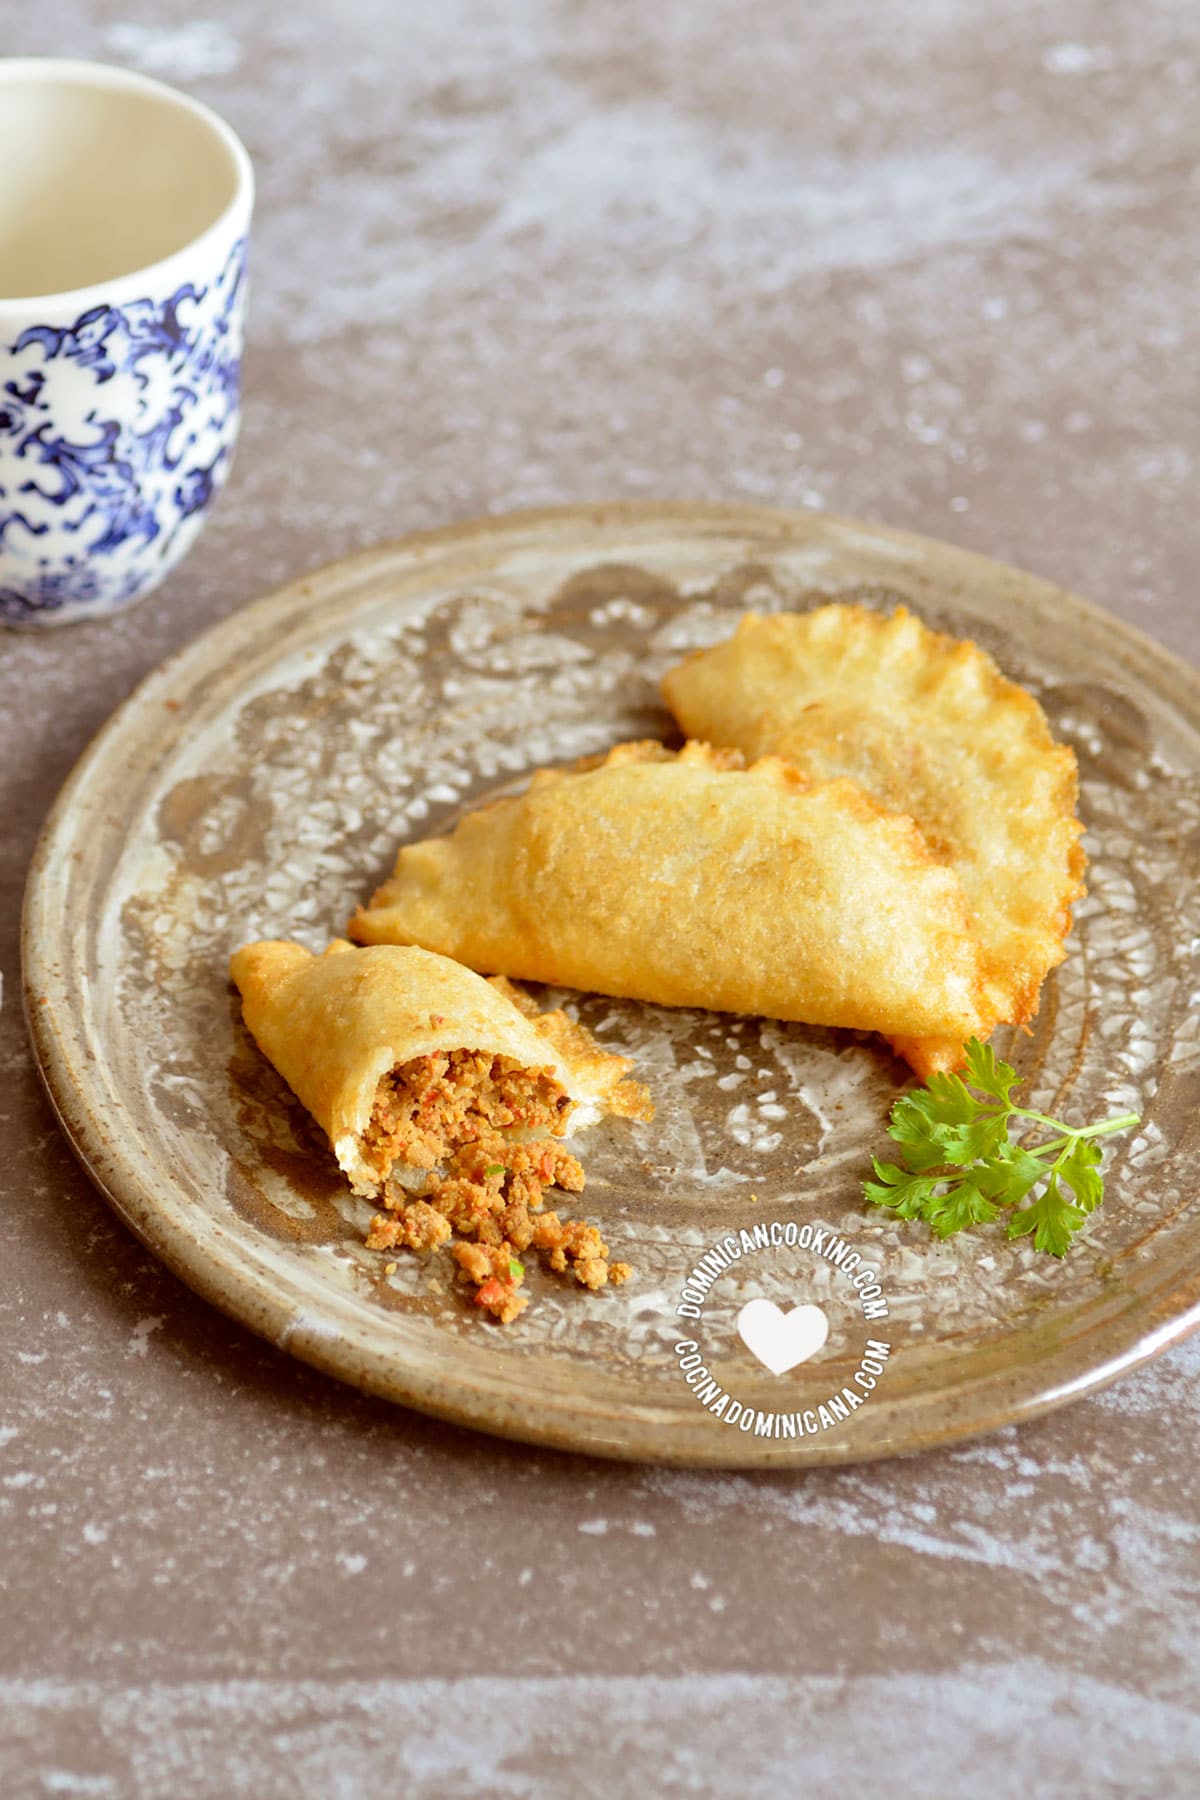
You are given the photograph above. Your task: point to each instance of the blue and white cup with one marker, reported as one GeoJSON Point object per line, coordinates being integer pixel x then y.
{"type": "Point", "coordinates": [124, 220]}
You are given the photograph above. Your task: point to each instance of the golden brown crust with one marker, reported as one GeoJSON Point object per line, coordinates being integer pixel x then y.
{"type": "Point", "coordinates": [606, 1075]}
{"type": "Point", "coordinates": [928, 725]}
{"type": "Point", "coordinates": [685, 879]}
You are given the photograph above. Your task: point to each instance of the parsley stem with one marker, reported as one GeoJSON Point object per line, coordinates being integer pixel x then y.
{"type": "Point", "coordinates": [1055, 1144]}
{"type": "Point", "coordinates": [1121, 1123]}
{"type": "Point", "coordinates": [1024, 1112]}
{"type": "Point", "coordinates": [1059, 1145]}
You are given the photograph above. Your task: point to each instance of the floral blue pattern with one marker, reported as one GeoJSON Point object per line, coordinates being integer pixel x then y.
{"type": "Point", "coordinates": [102, 481]}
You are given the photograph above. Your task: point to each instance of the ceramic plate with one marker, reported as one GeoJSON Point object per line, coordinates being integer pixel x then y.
{"type": "Point", "coordinates": [257, 785]}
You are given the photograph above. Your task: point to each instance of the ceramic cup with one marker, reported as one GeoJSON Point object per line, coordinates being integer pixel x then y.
{"type": "Point", "coordinates": [124, 216]}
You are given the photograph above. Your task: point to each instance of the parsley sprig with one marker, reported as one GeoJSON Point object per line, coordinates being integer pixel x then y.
{"type": "Point", "coordinates": [963, 1169]}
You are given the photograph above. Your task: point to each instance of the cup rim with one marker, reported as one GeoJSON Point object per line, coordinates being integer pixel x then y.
{"type": "Point", "coordinates": [79, 72]}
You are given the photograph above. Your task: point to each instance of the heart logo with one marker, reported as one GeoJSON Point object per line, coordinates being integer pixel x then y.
{"type": "Point", "coordinates": [781, 1340]}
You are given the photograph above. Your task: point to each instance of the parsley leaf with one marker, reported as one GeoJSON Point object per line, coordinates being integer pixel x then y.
{"type": "Point", "coordinates": [963, 1169]}
{"type": "Point", "coordinates": [977, 1142]}
{"type": "Point", "coordinates": [1052, 1220]}
{"type": "Point", "coordinates": [906, 1194]}
{"type": "Point", "coordinates": [987, 1072]}
{"type": "Point", "coordinates": [1010, 1174]}
{"type": "Point", "coordinates": [961, 1205]}
{"type": "Point", "coordinates": [1080, 1169]}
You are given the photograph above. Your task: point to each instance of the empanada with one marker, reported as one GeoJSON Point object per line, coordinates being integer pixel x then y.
{"type": "Point", "coordinates": [690, 881]}
{"type": "Point", "coordinates": [403, 1057]}
{"type": "Point", "coordinates": [928, 726]}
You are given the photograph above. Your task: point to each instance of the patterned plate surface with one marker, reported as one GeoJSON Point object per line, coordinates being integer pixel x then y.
{"type": "Point", "coordinates": [257, 785]}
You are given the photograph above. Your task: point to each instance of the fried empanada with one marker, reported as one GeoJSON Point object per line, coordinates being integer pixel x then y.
{"type": "Point", "coordinates": [688, 880]}
{"type": "Point", "coordinates": [402, 1056]}
{"type": "Point", "coordinates": [928, 726]}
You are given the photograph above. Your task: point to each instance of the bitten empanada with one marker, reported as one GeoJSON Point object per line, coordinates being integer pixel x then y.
{"type": "Point", "coordinates": [690, 881]}
{"type": "Point", "coordinates": [928, 726]}
{"type": "Point", "coordinates": [403, 1057]}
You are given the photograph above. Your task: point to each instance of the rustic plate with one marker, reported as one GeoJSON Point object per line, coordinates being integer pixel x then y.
{"type": "Point", "coordinates": [257, 784]}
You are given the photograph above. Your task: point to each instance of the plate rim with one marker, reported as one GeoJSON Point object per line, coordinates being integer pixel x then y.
{"type": "Point", "coordinates": [238, 1292]}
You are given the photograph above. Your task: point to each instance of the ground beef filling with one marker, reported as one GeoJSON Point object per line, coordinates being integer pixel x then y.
{"type": "Point", "coordinates": [444, 1114]}
{"type": "Point", "coordinates": [432, 1104]}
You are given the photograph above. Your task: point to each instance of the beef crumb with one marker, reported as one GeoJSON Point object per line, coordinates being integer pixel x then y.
{"type": "Point", "coordinates": [490, 1196]}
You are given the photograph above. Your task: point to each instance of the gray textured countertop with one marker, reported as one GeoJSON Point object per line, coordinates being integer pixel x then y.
{"type": "Point", "coordinates": [933, 264]}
